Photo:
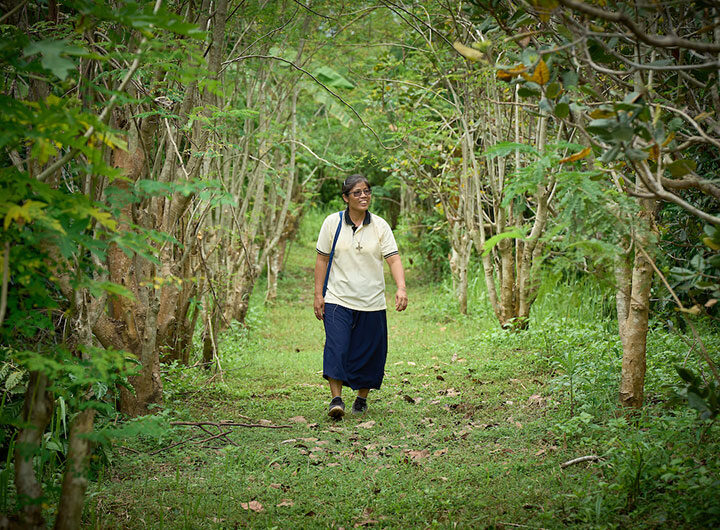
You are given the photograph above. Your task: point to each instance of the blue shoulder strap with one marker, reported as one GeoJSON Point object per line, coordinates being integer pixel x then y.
{"type": "Point", "coordinates": [332, 253]}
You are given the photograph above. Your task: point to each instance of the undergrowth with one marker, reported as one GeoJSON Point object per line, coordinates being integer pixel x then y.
{"type": "Point", "coordinates": [469, 429]}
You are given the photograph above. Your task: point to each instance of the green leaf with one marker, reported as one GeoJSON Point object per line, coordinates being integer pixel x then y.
{"type": "Point", "coordinates": [682, 167]}
{"type": "Point", "coordinates": [570, 78]}
{"type": "Point", "coordinates": [623, 133]}
{"type": "Point", "coordinates": [699, 404]}
{"type": "Point", "coordinates": [635, 154]}
{"type": "Point", "coordinates": [686, 375]}
{"type": "Point", "coordinates": [611, 154]}
{"type": "Point", "coordinates": [553, 90]}
{"type": "Point", "coordinates": [515, 233]}
{"type": "Point", "coordinates": [545, 105]}
{"type": "Point", "coordinates": [332, 78]}
{"type": "Point", "coordinates": [525, 92]}
{"type": "Point", "coordinates": [53, 55]}
{"type": "Point", "coordinates": [12, 380]}
{"type": "Point", "coordinates": [97, 288]}
{"type": "Point", "coordinates": [562, 110]}
{"type": "Point", "coordinates": [506, 148]}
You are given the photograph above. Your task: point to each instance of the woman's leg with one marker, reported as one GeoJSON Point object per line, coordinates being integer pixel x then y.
{"type": "Point", "coordinates": [336, 387]}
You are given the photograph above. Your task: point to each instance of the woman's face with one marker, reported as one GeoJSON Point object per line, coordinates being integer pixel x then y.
{"type": "Point", "coordinates": [358, 198]}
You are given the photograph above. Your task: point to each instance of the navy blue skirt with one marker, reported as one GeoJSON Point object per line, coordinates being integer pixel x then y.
{"type": "Point", "coordinates": [355, 346]}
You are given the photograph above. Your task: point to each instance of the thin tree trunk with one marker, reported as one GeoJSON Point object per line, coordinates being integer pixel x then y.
{"type": "Point", "coordinates": [75, 481]}
{"type": "Point", "coordinates": [37, 411]}
{"type": "Point", "coordinates": [633, 330]}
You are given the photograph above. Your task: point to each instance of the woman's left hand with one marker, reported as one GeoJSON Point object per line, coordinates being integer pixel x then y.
{"type": "Point", "coordinates": [401, 299]}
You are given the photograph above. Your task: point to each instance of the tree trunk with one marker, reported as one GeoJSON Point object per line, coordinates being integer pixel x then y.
{"type": "Point", "coordinates": [75, 481]}
{"type": "Point", "coordinates": [634, 327]}
{"type": "Point", "coordinates": [37, 412]}
{"type": "Point", "coordinates": [459, 259]}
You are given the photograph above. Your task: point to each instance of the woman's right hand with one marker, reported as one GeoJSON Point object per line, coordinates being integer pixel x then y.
{"type": "Point", "coordinates": [319, 306]}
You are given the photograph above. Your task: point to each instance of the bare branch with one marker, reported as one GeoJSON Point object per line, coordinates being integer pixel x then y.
{"type": "Point", "coordinates": [579, 460]}
{"type": "Point", "coordinates": [325, 87]}
{"type": "Point", "coordinates": [652, 40]}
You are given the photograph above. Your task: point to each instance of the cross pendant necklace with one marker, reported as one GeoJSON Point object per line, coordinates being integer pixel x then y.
{"type": "Point", "coordinates": [359, 246]}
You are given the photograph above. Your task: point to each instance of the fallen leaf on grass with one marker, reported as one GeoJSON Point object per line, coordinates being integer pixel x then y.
{"type": "Point", "coordinates": [514, 422]}
{"type": "Point", "coordinates": [536, 399]}
{"type": "Point", "coordinates": [296, 419]}
{"type": "Point", "coordinates": [440, 452]}
{"type": "Point", "coordinates": [417, 456]}
{"type": "Point", "coordinates": [285, 502]}
{"type": "Point", "coordinates": [265, 422]}
{"type": "Point", "coordinates": [255, 506]}
{"type": "Point", "coordinates": [408, 399]}
{"type": "Point", "coordinates": [440, 378]}
{"type": "Point", "coordinates": [289, 441]}
{"type": "Point", "coordinates": [367, 425]}
{"type": "Point", "coordinates": [276, 486]}
{"type": "Point", "coordinates": [410, 363]}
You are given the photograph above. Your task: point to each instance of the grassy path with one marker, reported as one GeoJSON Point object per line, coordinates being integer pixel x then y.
{"type": "Point", "coordinates": [457, 436]}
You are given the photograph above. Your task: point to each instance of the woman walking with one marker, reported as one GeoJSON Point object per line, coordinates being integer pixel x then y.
{"type": "Point", "coordinates": [350, 300]}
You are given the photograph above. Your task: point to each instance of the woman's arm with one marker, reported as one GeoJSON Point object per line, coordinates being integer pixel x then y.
{"type": "Point", "coordinates": [398, 273]}
{"type": "Point", "coordinates": [321, 263]}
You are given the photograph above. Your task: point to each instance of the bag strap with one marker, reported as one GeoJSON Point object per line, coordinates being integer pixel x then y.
{"type": "Point", "coordinates": [332, 253]}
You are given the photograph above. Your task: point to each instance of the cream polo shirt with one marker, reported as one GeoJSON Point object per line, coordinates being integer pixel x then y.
{"type": "Point", "coordinates": [356, 276]}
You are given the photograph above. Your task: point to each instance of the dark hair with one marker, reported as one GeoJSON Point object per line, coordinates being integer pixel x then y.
{"type": "Point", "coordinates": [352, 181]}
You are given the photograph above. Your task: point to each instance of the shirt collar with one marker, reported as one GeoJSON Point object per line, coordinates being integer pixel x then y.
{"type": "Point", "coordinates": [366, 221]}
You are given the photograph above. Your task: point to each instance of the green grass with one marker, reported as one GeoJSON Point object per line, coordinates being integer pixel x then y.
{"type": "Point", "coordinates": [468, 430]}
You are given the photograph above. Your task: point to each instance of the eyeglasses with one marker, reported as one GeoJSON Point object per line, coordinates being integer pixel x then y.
{"type": "Point", "coordinates": [359, 193]}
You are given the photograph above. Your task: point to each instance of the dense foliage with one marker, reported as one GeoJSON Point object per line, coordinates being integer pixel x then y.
{"type": "Point", "coordinates": [157, 160]}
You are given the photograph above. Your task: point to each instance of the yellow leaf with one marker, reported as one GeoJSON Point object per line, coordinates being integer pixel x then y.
{"type": "Point", "coordinates": [104, 219]}
{"type": "Point", "coordinates": [544, 8]}
{"type": "Point", "coordinates": [27, 212]}
{"type": "Point", "coordinates": [703, 115]}
{"type": "Point", "coordinates": [470, 54]}
{"type": "Point", "coordinates": [668, 139]}
{"type": "Point", "coordinates": [507, 74]}
{"type": "Point", "coordinates": [113, 141]}
{"type": "Point", "coordinates": [600, 114]}
{"type": "Point", "coordinates": [709, 242]}
{"type": "Point", "coordinates": [654, 152]}
{"type": "Point", "coordinates": [541, 75]}
{"type": "Point", "coordinates": [577, 156]}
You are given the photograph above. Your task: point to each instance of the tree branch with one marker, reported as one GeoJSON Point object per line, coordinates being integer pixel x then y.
{"type": "Point", "coordinates": [652, 40]}
{"type": "Point", "coordinates": [326, 88]}
{"type": "Point", "coordinates": [105, 113]}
